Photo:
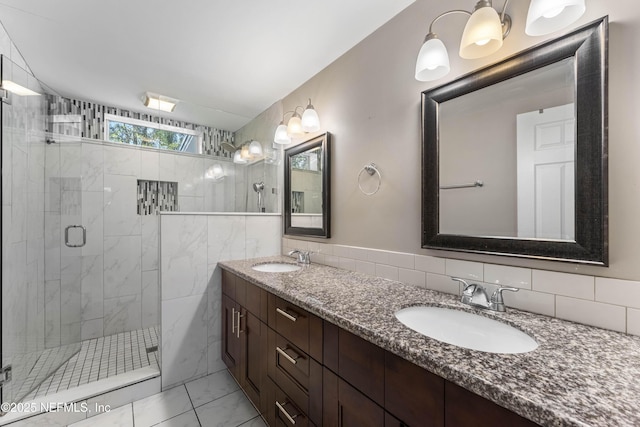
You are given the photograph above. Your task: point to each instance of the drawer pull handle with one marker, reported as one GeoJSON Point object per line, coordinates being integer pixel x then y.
{"type": "Point", "coordinates": [287, 315]}
{"type": "Point", "coordinates": [293, 360]}
{"type": "Point", "coordinates": [285, 413]}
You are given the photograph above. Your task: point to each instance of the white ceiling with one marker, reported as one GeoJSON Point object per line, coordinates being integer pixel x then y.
{"type": "Point", "coordinates": [226, 61]}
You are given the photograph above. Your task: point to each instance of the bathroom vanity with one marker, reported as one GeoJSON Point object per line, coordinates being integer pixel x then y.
{"type": "Point", "coordinates": [321, 346]}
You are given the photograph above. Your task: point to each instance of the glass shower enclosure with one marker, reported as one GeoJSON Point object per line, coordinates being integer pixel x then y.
{"type": "Point", "coordinates": [40, 275]}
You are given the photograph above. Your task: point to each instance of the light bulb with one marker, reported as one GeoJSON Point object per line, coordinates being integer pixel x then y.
{"type": "Point", "coordinates": [482, 42]}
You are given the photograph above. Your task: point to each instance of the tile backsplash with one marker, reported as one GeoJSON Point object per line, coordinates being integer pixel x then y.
{"type": "Point", "coordinates": [597, 301]}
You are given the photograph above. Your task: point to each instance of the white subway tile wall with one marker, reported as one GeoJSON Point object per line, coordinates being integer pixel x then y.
{"type": "Point", "coordinates": [597, 301]}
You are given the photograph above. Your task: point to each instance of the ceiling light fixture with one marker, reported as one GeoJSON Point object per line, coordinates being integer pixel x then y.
{"type": "Point", "coordinates": [17, 89]}
{"type": "Point", "coordinates": [486, 29]}
{"type": "Point", "coordinates": [297, 125]}
{"type": "Point", "coordinates": [159, 102]}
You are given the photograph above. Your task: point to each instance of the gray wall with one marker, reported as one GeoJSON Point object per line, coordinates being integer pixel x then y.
{"type": "Point", "coordinates": [370, 102]}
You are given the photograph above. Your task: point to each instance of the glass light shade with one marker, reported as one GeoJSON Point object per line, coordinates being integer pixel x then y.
{"type": "Point", "coordinates": [482, 35]}
{"type": "Point", "coordinates": [310, 120]}
{"type": "Point", "coordinates": [237, 158]}
{"type": "Point", "coordinates": [255, 148]}
{"type": "Point", "coordinates": [547, 16]}
{"type": "Point", "coordinates": [433, 60]}
{"type": "Point", "coordinates": [294, 127]}
{"type": "Point", "coordinates": [281, 136]}
{"type": "Point", "coordinates": [244, 152]}
{"type": "Point", "coordinates": [217, 169]}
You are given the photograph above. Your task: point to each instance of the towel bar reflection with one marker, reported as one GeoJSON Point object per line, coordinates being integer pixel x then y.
{"type": "Point", "coordinates": [66, 236]}
{"type": "Point", "coordinates": [478, 183]}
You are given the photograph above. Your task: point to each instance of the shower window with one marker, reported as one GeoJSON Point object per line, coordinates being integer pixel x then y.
{"type": "Point", "coordinates": [147, 134]}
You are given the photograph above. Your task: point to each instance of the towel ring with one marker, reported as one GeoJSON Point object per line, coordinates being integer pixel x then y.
{"type": "Point", "coordinates": [371, 169]}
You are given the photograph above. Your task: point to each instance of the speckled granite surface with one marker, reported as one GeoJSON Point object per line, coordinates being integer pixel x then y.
{"type": "Point", "coordinates": [578, 376]}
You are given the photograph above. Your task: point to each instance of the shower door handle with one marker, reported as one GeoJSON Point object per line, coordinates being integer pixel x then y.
{"type": "Point", "coordinates": [66, 236]}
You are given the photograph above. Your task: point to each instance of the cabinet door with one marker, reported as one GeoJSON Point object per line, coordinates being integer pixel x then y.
{"type": "Point", "coordinates": [230, 342]}
{"type": "Point", "coordinates": [464, 408]}
{"type": "Point", "coordinates": [413, 394]}
{"type": "Point", "coordinates": [345, 406]}
{"type": "Point", "coordinates": [253, 335]}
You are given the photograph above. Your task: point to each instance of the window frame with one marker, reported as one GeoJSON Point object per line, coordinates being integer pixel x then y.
{"type": "Point", "coordinates": [159, 126]}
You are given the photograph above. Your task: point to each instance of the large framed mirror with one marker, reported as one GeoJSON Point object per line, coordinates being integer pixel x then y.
{"type": "Point", "coordinates": [515, 154]}
{"type": "Point", "coordinates": [307, 189]}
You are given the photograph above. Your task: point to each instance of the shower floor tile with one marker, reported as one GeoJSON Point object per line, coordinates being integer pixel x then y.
{"type": "Point", "coordinates": [97, 359]}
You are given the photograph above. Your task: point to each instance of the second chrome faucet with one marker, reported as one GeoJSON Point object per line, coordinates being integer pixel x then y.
{"type": "Point", "coordinates": [304, 257]}
{"type": "Point", "coordinates": [476, 296]}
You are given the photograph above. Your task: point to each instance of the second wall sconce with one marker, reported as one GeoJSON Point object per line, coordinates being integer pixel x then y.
{"type": "Point", "coordinates": [486, 29]}
{"type": "Point", "coordinates": [296, 126]}
{"type": "Point", "coordinates": [250, 150]}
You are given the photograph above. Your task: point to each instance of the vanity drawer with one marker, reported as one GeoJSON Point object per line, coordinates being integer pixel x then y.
{"type": "Point", "coordinates": [282, 410]}
{"type": "Point", "coordinates": [229, 284]}
{"type": "Point", "coordinates": [300, 327]}
{"type": "Point", "coordinates": [297, 374]}
{"type": "Point", "coordinates": [255, 300]}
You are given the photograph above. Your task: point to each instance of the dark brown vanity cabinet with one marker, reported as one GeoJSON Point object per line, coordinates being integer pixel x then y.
{"type": "Point", "coordinates": [299, 370]}
{"type": "Point", "coordinates": [244, 335]}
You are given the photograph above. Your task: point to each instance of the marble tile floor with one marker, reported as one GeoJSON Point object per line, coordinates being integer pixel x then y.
{"type": "Point", "coordinates": [214, 400]}
{"type": "Point", "coordinates": [98, 358]}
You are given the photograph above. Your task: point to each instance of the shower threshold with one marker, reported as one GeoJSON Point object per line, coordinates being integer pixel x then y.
{"type": "Point", "coordinates": [102, 365]}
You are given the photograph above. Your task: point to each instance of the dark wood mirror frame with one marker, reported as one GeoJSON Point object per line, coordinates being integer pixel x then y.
{"type": "Point", "coordinates": [588, 45]}
{"type": "Point", "coordinates": [323, 141]}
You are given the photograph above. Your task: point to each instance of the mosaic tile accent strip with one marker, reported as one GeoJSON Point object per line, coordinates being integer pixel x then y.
{"type": "Point", "coordinates": [157, 196]}
{"type": "Point", "coordinates": [86, 119]}
{"type": "Point", "coordinates": [98, 359]}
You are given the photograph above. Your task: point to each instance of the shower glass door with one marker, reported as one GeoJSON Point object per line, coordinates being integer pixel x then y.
{"type": "Point", "coordinates": [40, 305]}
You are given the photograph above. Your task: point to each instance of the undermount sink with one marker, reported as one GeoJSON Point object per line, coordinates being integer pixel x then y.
{"type": "Point", "coordinates": [276, 267]}
{"type": "Point", "coordinates": [465, 329]}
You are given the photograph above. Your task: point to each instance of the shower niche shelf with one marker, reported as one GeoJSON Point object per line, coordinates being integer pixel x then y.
{"type": "Point", "coordinates": [157, 196]}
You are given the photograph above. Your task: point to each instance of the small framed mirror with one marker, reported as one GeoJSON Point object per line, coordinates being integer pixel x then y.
{"type": "Point", "coordinates": [515, 154]}
{"type": "Point", "coordinates": [307, 190]}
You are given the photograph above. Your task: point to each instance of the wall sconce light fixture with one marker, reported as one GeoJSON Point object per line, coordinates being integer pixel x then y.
{"type": "Point", "coordinates": [297, 125]}
{"type": "Point", "coordinates": [159, 102]}
{"type": "Point", "coordinates": [486, 29]}
{"type": "Point", "coordinates": [250, 150]}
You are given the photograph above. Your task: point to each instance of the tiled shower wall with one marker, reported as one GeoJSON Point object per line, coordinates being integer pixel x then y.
{"type": "Point", "coordinates": [598, 301]}
{"type": "Point", "coordinates": [191, 246]}
{"type": "Point", "coordinates": [113, 279]}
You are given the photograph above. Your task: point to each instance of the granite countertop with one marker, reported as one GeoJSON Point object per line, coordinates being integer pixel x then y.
{"type": "Point", "coordinates": [578, 376]}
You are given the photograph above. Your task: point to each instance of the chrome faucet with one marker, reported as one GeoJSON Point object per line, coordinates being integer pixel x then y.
{"type": "Point", "coordinates": [476, 296]}
{"type": "Point", "coordinates": [304, 257]}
